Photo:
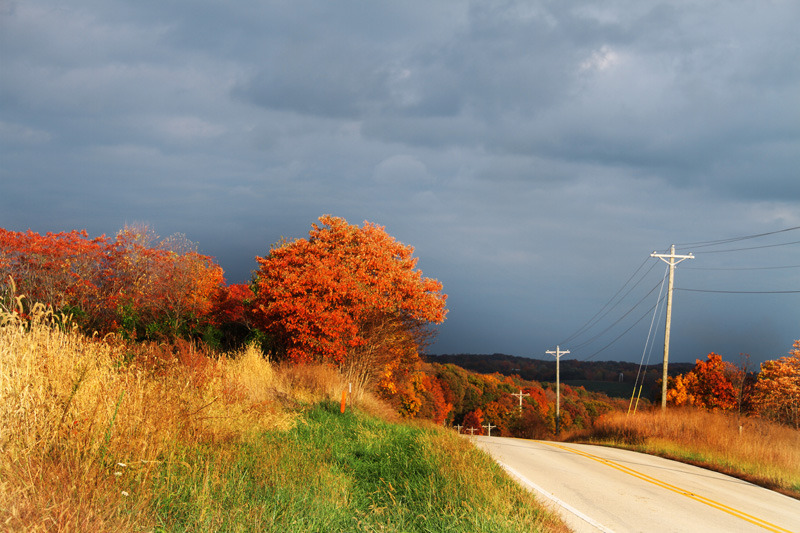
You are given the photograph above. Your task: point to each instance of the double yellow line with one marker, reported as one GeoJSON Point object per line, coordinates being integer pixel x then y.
{"type": "Point", "coordinates": [655, 481]}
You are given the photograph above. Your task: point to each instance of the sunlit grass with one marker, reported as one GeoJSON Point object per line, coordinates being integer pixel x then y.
{"type": "Point", "coordinates": [346, 472]}
{"type": "Point", "coordinates": [752, 448]}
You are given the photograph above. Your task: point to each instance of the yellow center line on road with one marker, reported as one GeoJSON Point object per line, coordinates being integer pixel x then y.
{"type": "Point", "coordinates": [655, 481]}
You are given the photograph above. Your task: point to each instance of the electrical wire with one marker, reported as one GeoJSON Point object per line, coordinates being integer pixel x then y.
{"type": "Point", "coordinates": [735, 292]}
{"type": "Point", "coordinates": [741, 268]}
{"type": "Point", "coordinates": [616, 300]}
{"type": "Point", "coordinates": [592, 339]}
{"type": "Point", "coordinates": [600, 315]}
{"type": "Point", "coordinates": [748, 248]}
{"type": "Point", "coordinates": [701, 244]}
{"type": "Point", "coordinates": [622, 334]}
{"type": "Point", "coordinates": [646, 342]}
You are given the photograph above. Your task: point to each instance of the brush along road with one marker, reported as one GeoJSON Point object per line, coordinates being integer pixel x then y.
{"type": "Point", "coordinates": [606, 489]}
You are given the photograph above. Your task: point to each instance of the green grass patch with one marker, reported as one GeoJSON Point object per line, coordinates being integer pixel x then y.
{"type": "Point", "coordinates": [343, 472]}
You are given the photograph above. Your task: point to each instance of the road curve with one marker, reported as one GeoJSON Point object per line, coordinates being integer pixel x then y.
{"type": "Point", "coordinates": [596, 488]}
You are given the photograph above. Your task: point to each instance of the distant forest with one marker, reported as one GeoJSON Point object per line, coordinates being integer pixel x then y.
{"type": "Point", "coordinates": [571, 369]}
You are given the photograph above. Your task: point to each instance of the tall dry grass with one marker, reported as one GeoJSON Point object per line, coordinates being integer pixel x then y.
{"type": "Point", "coordinates": [85, 423]}
{"type": "Point", "coordinates": [752, 448]}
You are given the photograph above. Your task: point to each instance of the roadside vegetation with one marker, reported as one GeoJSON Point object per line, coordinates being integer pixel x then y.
{"type": "Point", "coordinates": [103, 434]}
{"type": "Point", "coordinates": [755, 449]}
{"type": "Point", "coordinates": [140, 391]}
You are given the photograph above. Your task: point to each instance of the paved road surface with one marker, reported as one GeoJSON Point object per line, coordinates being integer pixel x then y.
{"type": "Point", "coordinates": [605, 489]}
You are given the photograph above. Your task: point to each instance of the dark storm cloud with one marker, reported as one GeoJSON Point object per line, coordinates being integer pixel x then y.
{"type": "Point", "coordinates": [533, 152]}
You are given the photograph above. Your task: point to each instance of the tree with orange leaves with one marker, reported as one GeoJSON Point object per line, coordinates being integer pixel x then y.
{"type": "Point", "coordinates": [64, 270]}
{"type": "Point", "coordinates": [707, 386]}
{"type": "Point", "coordinates": [777, 391]}
{"type": "Point", "coordinates": [348, 295]}
{"type": "Point", "coordinates": [135, 282]}
{"type": "Point", "coordinates": [160, 287]}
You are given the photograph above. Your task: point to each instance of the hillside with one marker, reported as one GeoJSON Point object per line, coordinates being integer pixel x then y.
{"type": "Point", "coordinates": [102, 434]}
{"type": "Point", "coordinates": [614, 378]}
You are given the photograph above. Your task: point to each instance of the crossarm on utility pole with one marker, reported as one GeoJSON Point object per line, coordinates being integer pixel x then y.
{"type": "Point", "coordinates": [520, 395]}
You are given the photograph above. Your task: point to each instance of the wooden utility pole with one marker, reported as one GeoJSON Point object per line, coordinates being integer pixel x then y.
{"type": "Point", "coordinates": [520, 396]}
{"type": "Point", "coordinates": [458, 428]}
{"type": "Point", "coordinates": [673, 260]}
{"type": "Point", "coordinates": [471, 430]}
{"type": "Point", "coordinates": [558, 353]}
{"type": "Point", "coordinates": [489, 427]}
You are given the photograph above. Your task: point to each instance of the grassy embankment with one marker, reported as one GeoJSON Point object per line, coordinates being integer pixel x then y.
{"type": "Point", "coordinates": [100, 435]}
{"type": "Point", "coordinates": [754, 449]}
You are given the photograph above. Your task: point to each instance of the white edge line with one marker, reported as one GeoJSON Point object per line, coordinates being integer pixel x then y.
{"type": "Point", "coordinates": [549, 496]}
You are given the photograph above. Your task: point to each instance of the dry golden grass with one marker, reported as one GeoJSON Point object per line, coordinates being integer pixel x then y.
{"type": "Point", "coordinates": [752, 448]}
{"type": "Point", "coordinates": [85, 422]}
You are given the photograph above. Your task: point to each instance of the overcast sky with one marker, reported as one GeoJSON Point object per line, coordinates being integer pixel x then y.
{"type": "Point", "coordinates": [534, 153]}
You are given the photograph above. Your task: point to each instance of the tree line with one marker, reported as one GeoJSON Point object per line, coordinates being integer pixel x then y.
{"type": "Point", "coordinates": [717, 385]}
{"type": "Point", "coordinates": [349, 296]}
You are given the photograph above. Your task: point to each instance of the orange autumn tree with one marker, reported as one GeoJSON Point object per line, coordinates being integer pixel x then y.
{"type": "Point", "coordinates": [777, 391]}
{"type": "Point", "coordinates": [351, 296]}
{"type": "Point", "coordinates": [160, 287]}
{"type": "Point", "coordinates": [707, 385]}
{"type": "Point", "coordinates": [137, 281]}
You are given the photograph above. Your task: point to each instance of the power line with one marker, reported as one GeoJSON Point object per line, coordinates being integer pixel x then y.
{"type": "Point", "coordinates": [598, 316]}
{"type": "Point", "coordinates": [645, 351]}
{"type": "Point", "coordinates": [749, 248]}
{"type": "Point", "coordinates": [623, 333]}
{"type": "Point", "coordinates": [742, 268]}
{"type": "Point", "coordinates": [701, 244]}
{"type": "Point", "coordinates": [737, 292]}
{"type": "Point", "coordinates": [584, 343]}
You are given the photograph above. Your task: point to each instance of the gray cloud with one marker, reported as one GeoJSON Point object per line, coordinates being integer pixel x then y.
{"type": "Point", "coordinates": [534, 153]}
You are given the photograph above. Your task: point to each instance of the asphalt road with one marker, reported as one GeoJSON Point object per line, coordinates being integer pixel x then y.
{"type": "Point", "coordinates": [605, 489]}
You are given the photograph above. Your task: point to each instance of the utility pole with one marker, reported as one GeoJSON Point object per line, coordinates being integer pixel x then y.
{"type": "Point", "coordinates": [471, 430]}
{"type": "Point", "coordinates": [558, 353]}
{"type": "Point", "coordinates": [489, 427]}
{"type": "Point", "coordinates": [520, 395]}
{"type": "Point", "coordinates": [458, 428]}
{"type": "Point", "coordinates": [671, 259]}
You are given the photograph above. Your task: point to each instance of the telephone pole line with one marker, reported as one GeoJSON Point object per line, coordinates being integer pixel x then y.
{"type": "Point", "coordinates": [558, 353]}
{"type": "Point", "coordinates": [671, 259]}
{"type": "Point", "coordinates": [520, 396]}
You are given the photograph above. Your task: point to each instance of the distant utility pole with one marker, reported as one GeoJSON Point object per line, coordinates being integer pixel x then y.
{"type": "Point", "coordinates": [489, 427]}
{"type": "Point", "coordinates": [558, 353]}
{"type": "Point", "coordinates": [671, 259]}
{"type": "Point", "coordinates": [458, 428]}
{"type": "Point", "coordinates": [520, 395]}
{"type": "Point", "coordinates": [471, 430]}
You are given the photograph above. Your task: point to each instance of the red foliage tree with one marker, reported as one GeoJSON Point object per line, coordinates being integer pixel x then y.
{"type": "Point", "coordinates": [474, 419]}
{"type": "Point", "coordinates": [134, 278]}
{"type": "Point", "coordinates": [348, 295]}
{"type": "Point", "coordinates": [64, 269]}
